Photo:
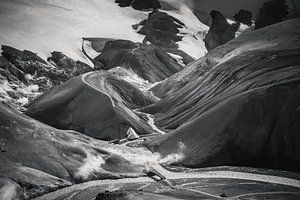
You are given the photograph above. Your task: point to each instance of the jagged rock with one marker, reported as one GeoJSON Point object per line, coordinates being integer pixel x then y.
{"type": "Point", "coordinates": [272, 12]}
{"type": "Point", "coordinates": [32, 75]}
{"type": "Point", "coordinates": [220, 31]}
{"type": "Point", "coordinates": [243, 16]}
{"type": "Point", "coordinates": [148, 61]}
{"type": "Point", "coordinates": [162, 30]}
{"type": "Point", "coordinates": [68, 65]}
{"type": "Point", "coordinates": [131, 134]}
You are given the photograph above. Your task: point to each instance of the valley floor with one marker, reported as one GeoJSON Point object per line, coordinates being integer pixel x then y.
{"type": "Point", "coordinates": [199, 185]}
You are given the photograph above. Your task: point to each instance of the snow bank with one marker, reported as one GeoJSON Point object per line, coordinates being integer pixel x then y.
{"type": "Point", "coordinates": [43, 26]}
{"type": "Point", "coordinates": [8, 192]}
{"type": "Point", "coordinates": [92, 163]}
{"type": "Point", "coordinates": [192, 42]}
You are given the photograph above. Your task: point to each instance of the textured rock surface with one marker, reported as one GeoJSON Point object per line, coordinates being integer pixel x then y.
{"type": "Point", "coordinates": [163, 31]}
{"type": "Point", "coordinates": [220, 31]}
{"type": "Point", "coordinates": [243, 16]}
{"type": "Point", "coordinates": [36, 158]}
{"type": "Point", "coordinates": [239, 105]}
{"type": "Point", "coordinates": [69, 66]}
{"type": "Point", "coordinates": [24, 75]}
{"type": "Point", "coordinates": [148, 61]}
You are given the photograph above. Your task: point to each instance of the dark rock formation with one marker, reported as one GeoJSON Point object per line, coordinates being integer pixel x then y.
{"type": "Point", "coordinates": [145, 4]}
{"type": "Point", "coordinates": [220, 31]}
{"type": "Point", "coordinates": [272, 12]}
{"type": "Point", "coordinates": [239, 105]}
{"type": "Point", "coordinates": [37, 159]}
{"type": "Point", "coordinates": [243, 16]}
{"type": "Point", "coordinates": [24, 71]}
{"type": "Point", "coordinates": [139, 4]}
{"type": "Point", "coordinates": [162, 30]}
{"type": "Point", "coordinates": [148, 61]}
{"type": "Point", "coordinates": [69, 66]}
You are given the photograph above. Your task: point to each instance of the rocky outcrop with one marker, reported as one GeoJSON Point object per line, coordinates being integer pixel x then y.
{"type": "Point", "coordinates": [243, 16]}
{"type": "Point", "coordinates": [37, 159]}
{"type": "Point", "coordinates": [24, 75]}
{"type": "Point", "coordinates": [238, 105]}
{"type": "Point", "coordinates": [272, 12]}
{"type": "Point", "coordinates": [146, 60]}
{"type": "Point", "coordinates": [67, 65]}
{"type": "Point", "coordinates": [220, 31]}
{"type": "Point", "coordinates": [163, 30]}
{"type": "Point", "coordinates": [139, 4]}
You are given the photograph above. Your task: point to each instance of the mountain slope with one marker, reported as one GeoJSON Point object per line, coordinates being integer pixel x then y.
{"type": "Point", "coordinates": [99, 104]}
{"type": "Point", "coordinates": [238, 105]}
{"type": "Point", "coordinates": [38, 158]}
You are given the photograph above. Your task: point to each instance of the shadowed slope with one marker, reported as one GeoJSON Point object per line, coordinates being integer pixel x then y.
{"type": "Point", "coordinates": [239, 105]}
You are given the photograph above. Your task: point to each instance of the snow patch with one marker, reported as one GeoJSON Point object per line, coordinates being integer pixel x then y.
{"type": "Point", "coordinates": [138, 156]}
{"type": "Point", "coordinates": [5, 87]}
{"type": "Point", "coordinates": [130, 76]}
{"type": "Point", "coordinates": [8, 192]}
{"type": "Point", "coordinates": [174, 157]}
{"type": "Point", "coordinates": [29, 89]}
{"type": "Point", "coordinates": [151, 122]}
{"type": "Point", "coordinates": [54, 25]}
{"type": "Point", "coordinates": [242, 27]}
{"type": "Point", "coordinates": [193, 45]}
{"type": "Point", "coordinates": [178, 58]}
{"type": "Point", "coordinates": [87, 45]}
{"type": "Point", "coordinates": [131, 134]}
{"type": "Point", "coordinates": [23, 101]}
{"type": "Point", "coordinates": [91, 164]}
{"type": "Point", "coordinates": [193, 33]}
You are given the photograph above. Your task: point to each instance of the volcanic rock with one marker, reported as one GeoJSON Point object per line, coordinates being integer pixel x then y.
{"type": "Point", "coordinates": [220, 31]}
{"type": "Point", "coordinates": [243, 16]}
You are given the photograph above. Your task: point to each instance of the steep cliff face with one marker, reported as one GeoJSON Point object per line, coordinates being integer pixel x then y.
{"type": "Point", "coordinates": [241, 92]}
